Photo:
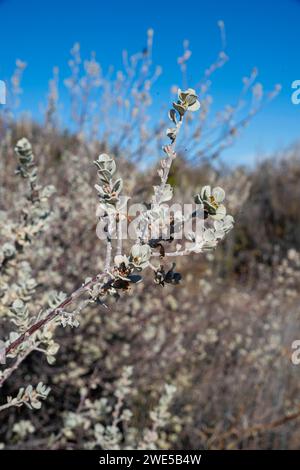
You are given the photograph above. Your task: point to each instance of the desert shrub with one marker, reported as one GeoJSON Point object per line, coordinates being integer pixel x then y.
{"type": "Point", "coordinates": [202, 364]}
{"type": "Point", "coordinates": [154, 228]}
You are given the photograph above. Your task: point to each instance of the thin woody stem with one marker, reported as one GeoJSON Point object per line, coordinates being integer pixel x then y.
{"type": "Point", "coordinates": [6, 405]}
{"type": "Point", "coordinates": [170, 150]}
{"type": "Point", "coordinates": [171, 155]}
{"type": "Point", "coordinates": [51, 315]}
{"type": "Point", "coordinates": [8, 372]}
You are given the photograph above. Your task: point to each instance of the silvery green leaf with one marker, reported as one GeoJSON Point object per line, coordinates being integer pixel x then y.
{"type": "Point", "coordinates": [13, 336]}
{"type": "Point", "coordinates": [219, 194]}
{"type": "Point", "coordinates": [191, 236]}
{"type": "Point", "coordinates": [224, 225]}
{"type": "Point", "coordinates": [136, 251]}
{"type": "Point", "coordinates": [171, 133]}
{"type": "Point", "coordinates": [55, 298]}
{"type": "Point", "coordinates": [172, 116]}
{"type": "Point", "coordinates": [42, 389]}
{"type": "Point", "coordinates": [53, 349]}
{"type": "Point", "coordinates": [24, 151]}
{"type": "Point", "coordinates": [140, 255]}
{"type": "Point", "coordinates": [18, 306]}
{"type": "Point", "coordinates": [104, 175]}
{"type": "Point", "coordinates": [197, 199]}
{"type": "Point", "coordinates": [191, 100]}
{"type": "Point", "coordinates": [209, 207]}
{"type": "Point", "coordinates": [195, 106]}
{"type": "Point", "coordinates": [8, 250]}
{"type": "Point", "coordinates": [103, 158]}
{"type": "Point", "coordinates": [229, 219]}
{"type": "Point", "coordinates": [145, 251]}
{"type": "Point", "coordinates": [220, 213]}
{"type": "Point", "coordinates": [188, 99]}
{"type": "Point", "coordinates": [205, 192]}
{"type": "Point", "coordinates": [179, 108]}
{"type": "Point", "coordinates": [20, 393]}
{"type": "Point", "coordinates": [228, 222]}
{"type": "Point", "coordinates": [100, 190]}
{"type": "Point", "coordinates": [31, 284]}
{"type": "Point", "coordinates": [47, 191]}
{"type": "Point", "coordinates": [105, 162]}
{"type": "Point", "coordinates": [117, 187]}
{"type": "Point", "coordinates": [112, 167]}
{"type": "Point", "coordinates": [218, 224]}
{"type": "Point", "coordinates": [183, 94]}
{"type": "Point", "coordinates": [209, 235]}
{"type": "Point", "coordinates": [29, 389]}
{"type": "Point", "coordinates": [219, 234]}
{"type": "Point", "coordinates": [119, 259]}
{"type": "Point", "coordinates": [50, 359]}
{"type": "Point", "coordinates": [111, 199]}
{"type": "Point", "coordinates": [36, 404]}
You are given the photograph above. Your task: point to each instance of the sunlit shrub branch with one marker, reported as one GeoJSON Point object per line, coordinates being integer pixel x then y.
{"type": "Point", "coordinates": [120, 270]}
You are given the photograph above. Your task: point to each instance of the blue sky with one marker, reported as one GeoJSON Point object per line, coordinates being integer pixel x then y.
{"type": "Point", "coordinates": [261, 33]}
